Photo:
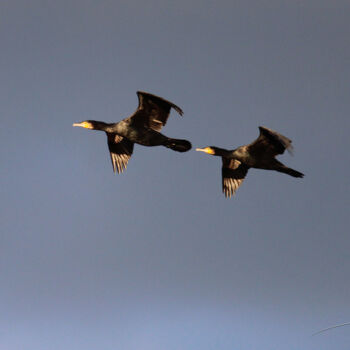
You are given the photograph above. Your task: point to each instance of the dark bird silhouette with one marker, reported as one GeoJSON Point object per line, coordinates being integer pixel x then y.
{"type": "Point", "coordinates": [259, 154]}
{"type": "Point", "coordinates": [142, 127]}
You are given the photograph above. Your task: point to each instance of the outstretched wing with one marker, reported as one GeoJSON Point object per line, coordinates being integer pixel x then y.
{"type": "Point", "coordinates": [270, 142]}
{"type": "Point", "coordinates": [152, 112]}
{"type": "Point", "coordinates": [120, 150]}
{"type": "Point", "coordinates": [233, 174]}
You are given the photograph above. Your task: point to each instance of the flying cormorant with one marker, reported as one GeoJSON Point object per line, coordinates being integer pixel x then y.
{"type": "Point", "coordinates": [259, 154]}
{"type": "Point", "coordinates": [142, 127]}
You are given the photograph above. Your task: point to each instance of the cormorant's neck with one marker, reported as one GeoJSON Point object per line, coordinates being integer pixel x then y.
{"type": "Point", "coordinates": [222, 152]}
{"type": "Point", "coordinates": [97, 125]}
{"type": "Point", "coordinates": [216, 151]}
{"type": "Point", "coordinates": [102, 126]}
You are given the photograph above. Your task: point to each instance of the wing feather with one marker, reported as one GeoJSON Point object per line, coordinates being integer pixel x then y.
{"type": "Point", "coordinates": [271, 142]}
{"type": "Point", "coordinates": [152, 111]}
{"type": "Point", "coordinates": [120, 150]}
{"type": "Point", "coordinates": [233, 174]}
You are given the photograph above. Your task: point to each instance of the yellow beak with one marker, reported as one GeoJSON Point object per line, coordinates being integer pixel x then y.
{"type": "Point", "coordinates": [206, 150]}
{"type": "Point", "coordinates": [85, 125]}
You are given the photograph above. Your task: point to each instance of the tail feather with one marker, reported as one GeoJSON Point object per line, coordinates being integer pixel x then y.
{"type": "Point", "coordinates": [290, 172]}
{"type": "Point", "coordinates": [178, 145]}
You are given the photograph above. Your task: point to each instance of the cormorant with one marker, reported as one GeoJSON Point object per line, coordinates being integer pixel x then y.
{"type": "Point", "coordinates": [142, 127]}
{"type": "Point", "coordinates": [259, 154]}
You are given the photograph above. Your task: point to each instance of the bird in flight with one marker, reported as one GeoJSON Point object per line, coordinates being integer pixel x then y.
{"type": "Point", "coordinates": [259, 154]}
{"type": "Point", "coordinates": [142, 127]}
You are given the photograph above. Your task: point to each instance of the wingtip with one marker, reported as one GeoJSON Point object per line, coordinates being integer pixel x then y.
{"type": "Point", "coordinates": [178, 110]}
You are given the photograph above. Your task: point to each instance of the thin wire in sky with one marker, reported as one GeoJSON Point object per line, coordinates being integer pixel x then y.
{"type": "Point", "coordinates": [329, 328]}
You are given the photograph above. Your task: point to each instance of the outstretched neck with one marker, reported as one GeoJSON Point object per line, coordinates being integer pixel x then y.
{"type": "Point", "coordinates": [221, 152]}
{"type": "Point", "coordinates": [102, 126]}
{"type": "Point", "coordinates": [216, 151]}
{"type": "Point", "coordinates": [97, 125]}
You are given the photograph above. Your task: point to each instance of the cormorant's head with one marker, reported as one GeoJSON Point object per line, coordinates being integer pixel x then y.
{"type": "Point", "coordinates": [93, 124]}
{"type": "Point", "coordinates": [87, 124]}
{"type": "Point", "coordinates": [210, 150]}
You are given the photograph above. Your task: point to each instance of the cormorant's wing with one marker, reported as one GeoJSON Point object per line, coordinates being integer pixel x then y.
{"type": "Point", "coordinates": [152, 112]}
{"type": "Point", "coordinates": [233, 174]}
{"type": "Point", "coordinates": [120, 150]}
{"type": "Point", "coordinates": [271, 142]}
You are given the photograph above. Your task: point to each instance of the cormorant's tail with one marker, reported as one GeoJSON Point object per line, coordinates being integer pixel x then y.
{"type": "Point", "coordinates": [290, 171]}
{"type": "Point", "coordinates": [178, 145]}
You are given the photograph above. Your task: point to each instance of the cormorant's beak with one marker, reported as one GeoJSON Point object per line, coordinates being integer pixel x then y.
{"type": "Point", "coordinates": [85, 125]}
{"type": "Point", "coordinates": [208, 150]}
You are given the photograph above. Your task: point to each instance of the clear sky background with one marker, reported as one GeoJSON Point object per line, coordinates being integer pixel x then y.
{"type": "Point", "coordinates": [157, 258]}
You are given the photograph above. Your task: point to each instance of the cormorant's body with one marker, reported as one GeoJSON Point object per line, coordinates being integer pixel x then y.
{"type": "Point", "coordinates": [142, 127]}
{"type": "Point", "coordinates": [259, 154]}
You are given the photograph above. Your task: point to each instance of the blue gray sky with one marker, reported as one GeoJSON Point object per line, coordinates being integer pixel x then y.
{"type": "Point", "coordinates": [157, 258]}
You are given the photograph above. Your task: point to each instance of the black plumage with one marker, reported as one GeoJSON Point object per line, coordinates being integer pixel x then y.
{"type": "Point", "coordinates": [259, 154]}
{"type": "Point", "coordinates": [142, 127]}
